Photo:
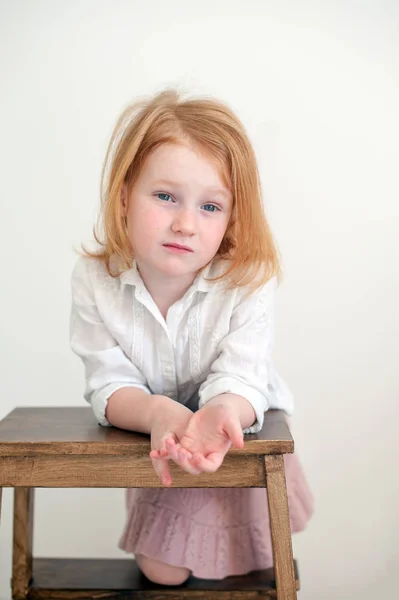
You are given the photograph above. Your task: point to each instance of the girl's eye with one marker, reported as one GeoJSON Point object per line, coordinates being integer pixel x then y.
{"type": "Point", "coordinates": [165, 197]}
{"type": "Point", "coordinates": [211, 208]}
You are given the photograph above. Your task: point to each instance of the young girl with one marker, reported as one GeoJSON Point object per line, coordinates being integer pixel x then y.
{"type": "Point", "coordinates": [173, 319]}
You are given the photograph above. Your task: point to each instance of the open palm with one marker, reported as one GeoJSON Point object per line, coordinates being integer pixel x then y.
{"type": "Point", "coordinates": [209, 434]}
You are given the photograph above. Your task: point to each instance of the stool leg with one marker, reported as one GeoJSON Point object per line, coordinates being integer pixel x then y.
{"type": "Point", "coordinates": [280, 527]}
{"type": "Point", "coordinates": [22, 544]}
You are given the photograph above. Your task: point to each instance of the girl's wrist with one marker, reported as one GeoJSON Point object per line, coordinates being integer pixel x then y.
{"type": "Point", "coordinates": [164, 407]}
{"type": "Point", "coordinates": [238, 404]}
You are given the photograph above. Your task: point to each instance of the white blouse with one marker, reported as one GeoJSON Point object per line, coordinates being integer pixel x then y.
{"type": "Point", "coordinates": [213, 341]}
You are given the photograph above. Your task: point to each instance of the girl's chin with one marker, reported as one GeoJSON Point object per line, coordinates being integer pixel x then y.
{"type": "Point", "coordinates": [176, 266]}
{"type": "Point", "coordinates": [178, 272]}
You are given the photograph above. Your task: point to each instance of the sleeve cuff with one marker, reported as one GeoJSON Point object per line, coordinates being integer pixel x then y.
{"type": "Point", "coordinates": [100, 398]}
{"type": "Point", "coordinates": [227, 385]}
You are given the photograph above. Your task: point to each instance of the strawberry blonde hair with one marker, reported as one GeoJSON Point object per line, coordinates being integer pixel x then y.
{"type": "Point", "coordinates": [216, 131]}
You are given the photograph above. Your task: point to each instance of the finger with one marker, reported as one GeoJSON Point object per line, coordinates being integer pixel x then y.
{"type": "Point", "coordinates": [155, 454]}
{"type": "Point", "coordinates": [234, 431]}
{"type": "Point", "coordinates": [167, 443]}
{"type": "Point", "coordinates": [185, 462]}
{"type": "Point", "coordinates": [172, 449]}
{"type": "Point", "coordinates": [161, 468]}
{"type": "Point", "coordinates": [182, 458]}
{"type": "Point", "coordinates": [210, 464]}
{"type": "Point", "coordinates": [158, 454]}
{"type": "Point", "coordinates": [182, 461]}
{"type": "Point", "coordinates": [184, 454]}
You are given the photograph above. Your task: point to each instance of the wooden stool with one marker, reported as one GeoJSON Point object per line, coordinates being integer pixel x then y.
{"type": "Point", "coordinates": [65, 448]}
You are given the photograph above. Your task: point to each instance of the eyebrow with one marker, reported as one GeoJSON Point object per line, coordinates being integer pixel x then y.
{"type": "Point", "coordinates": [212, 189]}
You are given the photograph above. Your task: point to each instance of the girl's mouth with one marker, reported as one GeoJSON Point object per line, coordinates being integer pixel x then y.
{"type": "Point", "coordinates": [178, 248]}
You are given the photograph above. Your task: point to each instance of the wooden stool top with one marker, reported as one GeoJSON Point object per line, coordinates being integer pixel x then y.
{"type": "Point", "coordinates": [74, 430]}
{"type": "Point", "coordinates": [65, 447]}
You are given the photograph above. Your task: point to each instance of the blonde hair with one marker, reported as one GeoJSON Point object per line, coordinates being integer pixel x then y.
{"type": "Point", "coordinates": [216, 131]}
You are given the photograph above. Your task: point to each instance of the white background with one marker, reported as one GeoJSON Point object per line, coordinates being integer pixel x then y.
{"type": "Point", "coordinates": [317, 86]}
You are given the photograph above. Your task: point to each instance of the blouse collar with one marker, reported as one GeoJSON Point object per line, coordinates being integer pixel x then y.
{"type": "Point", "coordinates": [200, 283]}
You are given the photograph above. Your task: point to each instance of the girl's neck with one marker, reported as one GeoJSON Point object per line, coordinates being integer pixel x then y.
{"type": "Point", "coordinates": [165, 290]}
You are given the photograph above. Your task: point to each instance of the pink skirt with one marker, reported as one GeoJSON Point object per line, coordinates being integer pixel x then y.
{"type": "Point", "coordinates": [213, 532]}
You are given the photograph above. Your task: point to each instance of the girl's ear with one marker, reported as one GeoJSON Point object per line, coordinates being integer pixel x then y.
{"type": "Point", "coordinates": [124, 202]}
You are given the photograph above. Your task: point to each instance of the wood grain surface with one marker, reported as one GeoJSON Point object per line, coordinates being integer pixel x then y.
{"type": "Point", "coordinates": [74, 430]}
{"type": "Point", "coordinates": [22, 542]}
{"type": "Point", "coordinates": [122, 471]}
{"type": "Point", "coordinates": [72, 579]}
{"type": "Point", "coordinates": [280, 527]}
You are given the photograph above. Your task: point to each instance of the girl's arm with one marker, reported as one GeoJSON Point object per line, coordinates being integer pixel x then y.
{"type": "Point", "coordinates": [131, 408]}
{"type": "Point", "coordinates": [107, 368]}
{"type": "Point", "coordinates": [241, 368]}
{"type": "Point", "coordinates": [235, 395]}
{"type": "Point", "coordinates": [163, 418]}
{"type": "Point", "coordinates": [115, 387]}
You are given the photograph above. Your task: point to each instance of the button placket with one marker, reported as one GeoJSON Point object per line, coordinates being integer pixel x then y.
{"type": "Point", "coordinates": [146, 300]}
{"type": "Point", "coordinates": [168, 367]}
{"type": "Point", "coordinates": [173, 320]}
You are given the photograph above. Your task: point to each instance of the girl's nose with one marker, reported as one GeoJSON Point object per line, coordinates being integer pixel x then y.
{"type": "Point", "coordinates": [184, 223]}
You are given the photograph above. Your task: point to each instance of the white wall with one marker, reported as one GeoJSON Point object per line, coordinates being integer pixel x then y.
{"type": "Point", "coordinates": [317, 85]}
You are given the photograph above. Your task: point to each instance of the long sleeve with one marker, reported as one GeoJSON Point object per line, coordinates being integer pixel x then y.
{"type": "Point", "coordinates": [244, 354]}
{"type": "Point", "coordinates": [107, 368]}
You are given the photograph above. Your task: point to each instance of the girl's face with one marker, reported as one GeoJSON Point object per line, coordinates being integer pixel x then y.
{"type": "Point", "coordinates": [177, 213]}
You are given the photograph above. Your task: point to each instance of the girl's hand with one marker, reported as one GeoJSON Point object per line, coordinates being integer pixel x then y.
{"type": "Point", "coordinates": [209, 434]}
{"type": "Point", "coordinates": [167, 429]}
